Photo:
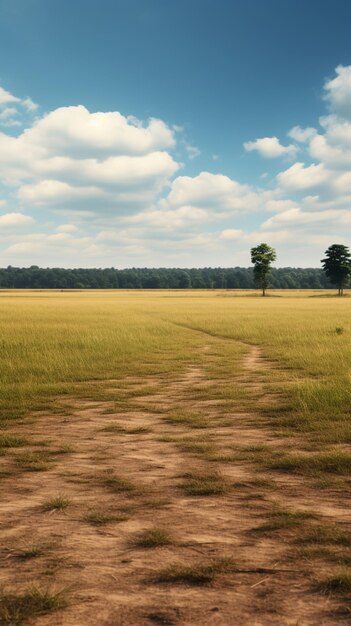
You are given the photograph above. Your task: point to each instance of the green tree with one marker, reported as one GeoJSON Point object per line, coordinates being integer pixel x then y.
{"type": "Point", "coordinates": [337, 266]}
{"type": "Point", "coordinates": [262, 256]}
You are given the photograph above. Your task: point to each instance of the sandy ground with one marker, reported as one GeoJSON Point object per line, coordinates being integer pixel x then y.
{"type": "Point", "coordinates": [110, 580]}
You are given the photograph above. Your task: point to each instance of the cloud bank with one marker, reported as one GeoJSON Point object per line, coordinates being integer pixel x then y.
{"type": "Point", "coordinates": [82, 187]}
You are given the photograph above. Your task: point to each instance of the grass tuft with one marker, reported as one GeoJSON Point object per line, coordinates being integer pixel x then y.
{"type": "Point", "coordinates": [12, 441]}
{"type": "Point", "coordinates": [39, 461]}
{"type": "Point", "coordinates": [196, 484]}
{"type": "Point", "coordinates": [153, 538]}
{"type": "Point", "coordinates": [118, 484]}
{"type": "Point", "coordinates": [58, 503]}
{"type": "Point", "coordinates": [340, 583]}
{"type": "Point", "coordinates": [335, 462]}
{"type": "Point", "coordinates": [325, 534]}
{"type": "Point", "coordinates": [17, 609]}
{"type": "Point", "coordinates": [99, 519]}
{"type": "Point", "coordinates": [198, 574]}
{"type": "Point", "coordinates": [280, 519]}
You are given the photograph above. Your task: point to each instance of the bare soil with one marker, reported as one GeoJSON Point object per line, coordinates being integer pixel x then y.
{"type": "Point", "coordinates": [109, 578]}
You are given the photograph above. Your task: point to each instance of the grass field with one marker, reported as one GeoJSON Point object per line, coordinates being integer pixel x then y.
{"type": "Point", "coordinates": [175, 457]}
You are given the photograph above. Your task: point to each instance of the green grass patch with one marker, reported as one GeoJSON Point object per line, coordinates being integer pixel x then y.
{"type": "Point", "coordinates": [99, 518]}
{"type": "Point", "coordinates": [154, 538]}
{"type": "Point", "coordinates": [57, 503]}
{"type": "Point", "coordinates": [8, 440]}
{"type": "Point", "coordinates": [39, 461]}
{"type": "Point", "coordinates": [334, 462]}
{"type": "Point", "coordinates": [17, 609]}
{"type": "Point", "coordinates": [204, 484]}
{"type": "Point", "coordinates": [339, 583]}
{"type": "Point", "coordinates": [197, 574]}
{"type": "Point", "coordinates": [325, 534]}
{"type": "Point", "coordinates": [281, 519]}
{"type": "Point", "coordinates": [119, 484]}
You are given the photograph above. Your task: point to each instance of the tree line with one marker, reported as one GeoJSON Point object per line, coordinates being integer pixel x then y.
{"type": "Point", "coordinates": [35, 277]}
{"type": "Point", "coordinates": [336, 271]}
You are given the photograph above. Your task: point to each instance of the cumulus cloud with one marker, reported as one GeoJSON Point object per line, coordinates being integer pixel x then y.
{"type": "Point", "coordinates": [12, 220]}
{"type": "Point", "coordinates": [116, 175]}
{"type": "Point", "coordinates": [270, 148]}
{"type": "Point", "coordinates": [74, 159]}
{"type": "Point", "coordinates": [299, 177]}
{"type": "Point", "coordinates": [13, 108]}
{"type": "Point", "coordinates": [213, 192]}
{"type": "Point", "coordinates": [338, 92]}
{"type": "Point", "coordinates": [6, 97]}
{"type": "Point", "coordinates": [302, 134]}
{"type": "Point", "coordinates": [231, 233]}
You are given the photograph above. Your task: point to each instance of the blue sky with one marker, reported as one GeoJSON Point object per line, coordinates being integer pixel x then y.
{"type": "Point", "coordinates": [163, 133]}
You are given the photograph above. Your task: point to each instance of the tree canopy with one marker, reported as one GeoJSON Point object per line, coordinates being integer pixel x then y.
{"type": "Point", "coordinates": [262, 257]}
{"type": "Point", "coordinates": [337, 265]}
{"type": "Point", "coordinates": [35, 277]}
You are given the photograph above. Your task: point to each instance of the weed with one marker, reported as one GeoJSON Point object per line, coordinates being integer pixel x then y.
{"type": "Point", "coordinates": [188, 419]}
{"type": "Point", "coordinates": [99, 519]}
{"type": "Point", "coordinates": [339, 583]}
{"type": "Point", "coordinates": [58, 503]}
{"type": "Point", "coordinates": [39, 461]}
{"type": "Point", "coordinates": [33, 551]}
{"type": "Point", "coordinates": [153, 538]}
{"type": "Point", "coordinates": [335, 462]}
{"type": "Point", "coordinates": [196, 484]}
{"type": "Point", "coordinates": [198, 574]}
{"type": "Point", "coordinates": [325, 534]}
{"type": "Point", "coordinates": [12, 441]}
{"type": "Point", "coordinates": [16, 609]}
{"type": "Point", "coordinates": [280, 519]}
{"type": "Point", "coordinates": [118, 484]}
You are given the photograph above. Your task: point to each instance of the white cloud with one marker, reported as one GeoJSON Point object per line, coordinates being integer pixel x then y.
{"type": "Point", "coordinates": [231, 233]}
{"type": "Point", "coordinates": [192, 151]}
{"type": "Point", "coordinates": [74, 131]}
{"type": "Point", "coordinates": [6, 97]}
{"type": "Point", "coordinates": [338, 92]}
{"type": "Point", "coordinates": [301, 178]}
{"type": "Point", "coordinates": [302, 134]}
{"type": "Point", "coordinates": [29, 104]}
{"type": "Point", "coordinates": [11, 220]}
{"type": "Point", "coordinates": [270, 148]}
{"type": "Point", "coordinates": [67, 228]}
{"type": "Point", "coordinates": [213, 192]}
{"type": "Point", "coordinates": [74, 159]}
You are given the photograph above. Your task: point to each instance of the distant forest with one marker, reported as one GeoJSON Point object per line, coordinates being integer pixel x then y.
{"type": "Point", "coordinates": [158, 278]}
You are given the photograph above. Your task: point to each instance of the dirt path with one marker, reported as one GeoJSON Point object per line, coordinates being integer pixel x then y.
{"type": "Point", "coordinates": [127, 472]}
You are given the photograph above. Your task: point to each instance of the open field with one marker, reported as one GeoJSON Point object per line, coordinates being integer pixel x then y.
{"type": "Point", "coordinates": [178, 458]}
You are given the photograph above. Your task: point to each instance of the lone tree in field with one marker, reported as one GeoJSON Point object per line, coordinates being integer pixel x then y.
{"type": "Point", "coordinates": [262, 256]}
{"type": "Point", "coordinates": [337, 266]}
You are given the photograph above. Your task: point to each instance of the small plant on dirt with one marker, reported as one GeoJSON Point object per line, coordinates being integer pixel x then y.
{"type": "Point", "coordinates": [340, 583]}
{"type": "Point", "coordinates": [153, 538]}
{"type": "Point", "coordinates": [198, 484]}
{"type": "Point", "coordinates": [32, 552]}
{"type": "Point", "coordinates": [12, 441]}
{"type": "Point", "coordinates": [325, 534]}
{"type": "Point", "coordinates": [39, 461]}
{"type": "Point", "coordinates": [280, 519]}
{"type": "Point", "coordinates": [17, 609]}
{"type": "Point", "coordinates": [99, 519]}
{"type": "Point", "coordinates": [118, 484]}
{"type": "Point", "coordinates": [198, 574]}
{"type": "Point", "coordinates": [58, 503]}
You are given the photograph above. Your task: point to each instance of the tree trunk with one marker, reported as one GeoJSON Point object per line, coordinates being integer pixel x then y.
{"type": "Point", "coordinates": [263, 291]}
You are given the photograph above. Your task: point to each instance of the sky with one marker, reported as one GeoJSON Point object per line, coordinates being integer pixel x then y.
{"type": "Point", "coordinates": [173, 133]}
